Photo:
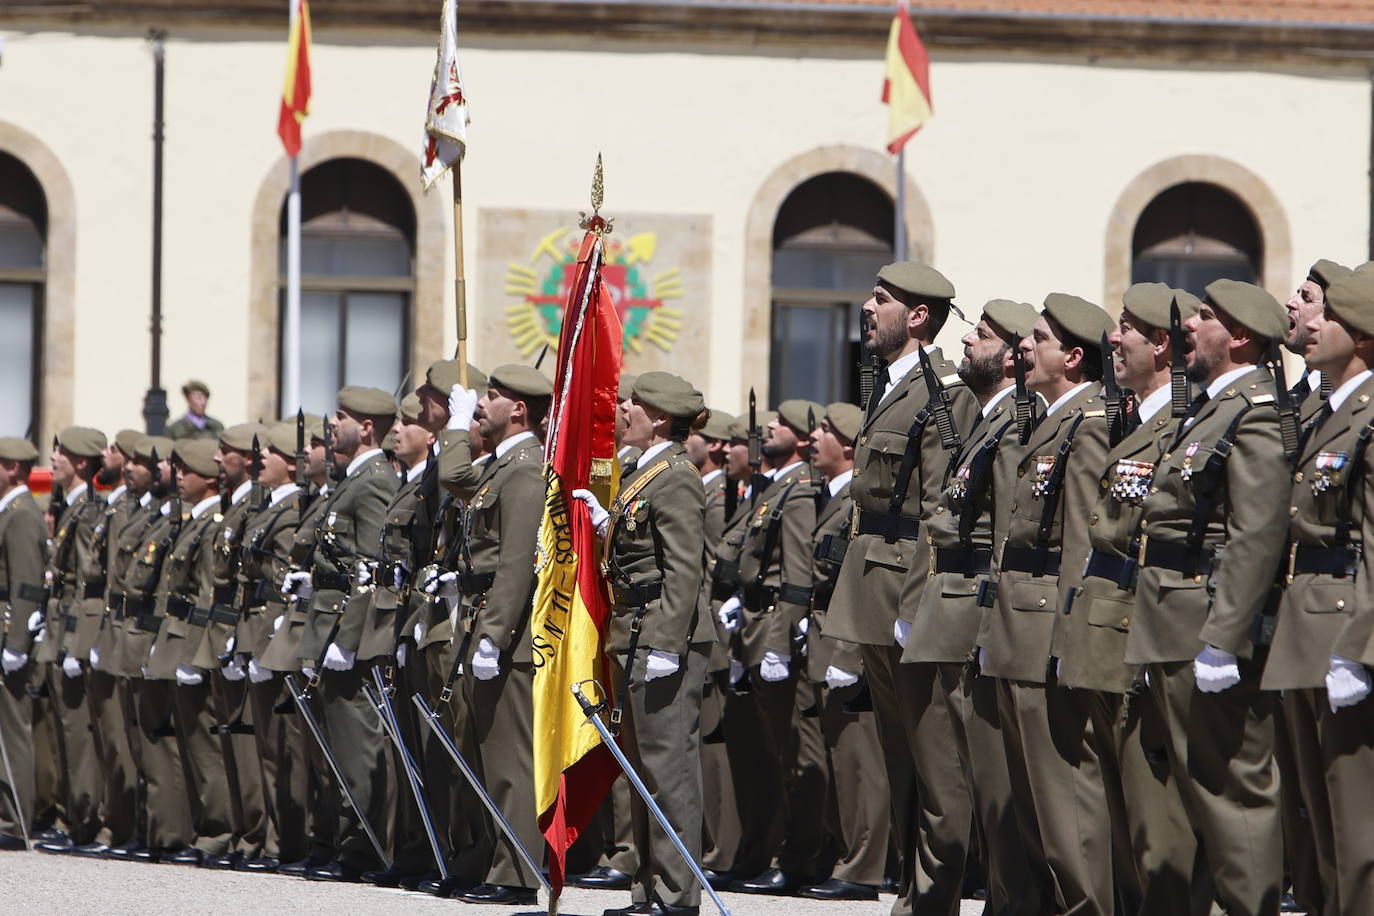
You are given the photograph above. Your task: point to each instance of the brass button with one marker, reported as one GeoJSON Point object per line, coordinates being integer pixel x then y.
{"type": "Point", "coordinates": [1340, 604]}
{"type": "Point", "coordinates": [1154, 489]}
{"type": "Point", "coordinates": [1042, 602]}
{"type": "Point", "coordinates": [1292, 510]}
{"type": "Point", "coordinates": [1125, 621]}
{"type": "Point", "coordinates": [858, 471]}
{"type": "Point", "coordinates": [1093, 520]}
{"type": "Point", "coordinates": [1167, 455]}
{"type": "Point", "coordinates": [1106, 482]}
{"type": "Point", "coordinates": [863, 440]}
{"type": "Point", "coordinates": [1297, 478]}
{"type": "Point", "coordinates": [1197, 580]}
{"type": "Point", "coordinates": [1013, 505]}
{"type": "Point", "coordinates": [939, 509]}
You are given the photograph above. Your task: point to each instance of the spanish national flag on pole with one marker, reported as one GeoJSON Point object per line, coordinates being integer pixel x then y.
{"type": "Point", "coordinates": [295, 95]}
{"type": "Point", "coordinates": [906, 89]}
{"type": "Point", "coordinates": [572, 768]}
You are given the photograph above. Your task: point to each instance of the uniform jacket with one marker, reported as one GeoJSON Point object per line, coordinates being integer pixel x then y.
{"type": "Point", "coordinates": [403, 543]}
{"type": "Point", "coordinates": [263, 564]}
{"type": "Point", "coordinates": [218, 574]}
{"type": "Point", "coordinates": [181, 428]}
{"type": "Point", "coordinates": [178, 593]}
{"type": "Point", "coordinates": [76, 561]}
{"type": "Point", "coordinates": [124, 516]}
{"type": "Point", "coordinates": [455, 468]}
{"type": "Point", "coordinates": [283, 652]}
{"type": "Point", "coordinates": [137, 577]}
{"type": "Point", "coordinates": [727, 549]}
{"type": "Point", "coordinates": [832, 520]}
{"type": "Point", "coordinates": [23, 560]}
{"type": "Point", "coordinates": [771, 615]}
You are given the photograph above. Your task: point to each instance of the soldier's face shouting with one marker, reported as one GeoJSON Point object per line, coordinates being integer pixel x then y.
{"type": "Point", "coordinates": [828, 450]}
{"type": "Point", "coordinates": [1304, 305]}
{"type": "Point", "coordinates": [1135, 352]}
{"type": "Point", "coordinates": [1208, 342]}
{"type": "Point", "coordinates": [1045, 356]}
{"type": "Point", "coordinates": [63, 469]}
{"type": "Point", "coordinates": [781, 441]}
{"type": "Point", "coordinates": [885, 323]}
{"type": "Point", "coordinates": [639, 423]}
{"type": "Point", "coordinates": [985, 358]}
{"type": "Point", "coordinates": [737, 460]}
{"type": "Point", "coordinates": [493, 414]}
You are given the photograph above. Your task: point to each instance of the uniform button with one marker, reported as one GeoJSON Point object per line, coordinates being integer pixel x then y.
{"type": "Point", "coordinates": [1013, 505]}
{"type": "Point", "coordinates": [1340, 604]}
{"type": "Point", "coordinates": [1297, 478]}
{"type": "Point", "coordinates": [1106, 482]}
{"type": "Point", "coordinates": [1154, 489]}
{"type": "Point", "coordinates": [1042, 602]}
{"type": "Point", "coordinates": [1197, 580]}
{"type": "Point", "coordinates": [858, 471]}
{"type": "Point", "coordinates": [1292, 510]}
{"type": "Point", "coordinates": [1166, 455]}
{"type": "Point", "coordinates": [939, 509]}
{"type": "Point", "coordinates": [1093, 520]}
{"type": "Point", "coordinates": [1125, 621]}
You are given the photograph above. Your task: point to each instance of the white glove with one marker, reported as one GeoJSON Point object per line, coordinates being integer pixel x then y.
{"type": "Point", "coordinates": [71, 667]}
{"type": "Point", "coordinates": [803, 625]}
{"type": "Point", "coordinates": [308, 671]}
{"type": "Point", "coordinates": [94, 656]}
{"type": "Point", "coordinates": [233, 670]}
{"type": "Point", "coordinates": [276, 624]}
{"type": "Point", "coordinates": [736, 671]}
{"type": "Point", "coordinates": [660, 664]}
{"type": "Point", "coordinates": [256, 674]}
{"type": "Point", "coordinates": [401, 655]}
{"type": "Point", "coordinates": [36, 621]}
{"type": "Point", "coordinates": [1215, 670]}
{"type": "Point", "coordinates": [462, 404]}
{"type": "Point", "coordinates": [774, 667]}
{"type": "Point", "coordinates": [12, 661]}
{"type": "Point", "coordinates": [901, 631]}
{"type": "Point", "coordinates": [188, 676]}
{"type": "Point", "coordinates": [486, 661]}
{"type": "Point", "coordinates": [444, 585]}
{"type": "Point", "coordinates": [337, 658]}
{"type": "Point", "coordinates": [729, 613]}
{"type": "Point", "coordinates": [229, 645]}
{"type": "Point", "coordinates": [419, 632]}
{"type": "Point", "coordinates": [362, 575]}
{"type": "Point", "coordinates": [398, 576]}
{"type": "Point", "coordinates": [835, 678]}
{"type": "Point", "coordinates": [1347, 682]}
{"type": "Point", "coordinates": [600, 517]}
{"type": "Point", "coordinates": [297, 583]}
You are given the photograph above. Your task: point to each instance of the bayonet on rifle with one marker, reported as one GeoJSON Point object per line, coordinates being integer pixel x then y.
{"type": "Point", "coordinates": [1116, 419]}
{"type": "Point", "coordinates": [1288, 411]}
{"type": "Point", "coordinates": [1179, 394]}
{"type": "Point", "coordinates": [868, 367]}
{"type": "Point", "coordinates": [939, 405]}
{"type": "Point", "coordinates": [758, 483]}
{"type": "Point", "coordinates": [1025, 404]}
{"type": "Point", "coordinates": [302, 479]}
{"type": "Point", "coordinates": [254, 472]}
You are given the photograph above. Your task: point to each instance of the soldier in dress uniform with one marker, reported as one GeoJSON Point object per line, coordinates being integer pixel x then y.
{"type": "Point", "coordinates": [918, 413]}
{"type": "Point", "coordinates": [1306, 303]}
{"type": "Point", "coordinates": [1212, 537]}
{"type": "Point", "coordinates": [23, 559]}
{"type": "Point", "coordinates": [196, 423]}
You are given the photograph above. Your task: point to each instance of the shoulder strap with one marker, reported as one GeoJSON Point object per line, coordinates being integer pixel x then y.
{"type": "Point", "coordinates": [1345, 508]}
{"type": "Point", "coordinates": [1055, 485]}
{"type": "Point", "coordinates": [1209, 481]}
{"type": "Point", "coordinates": [980, 469]}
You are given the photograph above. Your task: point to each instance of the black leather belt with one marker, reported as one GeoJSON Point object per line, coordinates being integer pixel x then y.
{"type": "Point", "coordinates": [832, 548]}
{"type": "Point", "coordinates": [890, 527]}
{"type": "Point", "coordinates": [116, 605]}
{"type": "Point", "coordinates": [967, 563]}
{"type": "Point", "coordinates": [794, 594]}
{"type": "Point", "coordinates": [178, 608]}
{"type": "Point", "coordinates": [638, 596]}
{"type": "Point", "coordinates": [35, 593]}
{"type": "Point", "coordinates": [475, 583]}
{"type": "Point", "coordinates": [1119, 570]}
{"type": "Point", "coordinates": [1037, 561]}
{"type": "Point", "coordinates": [267, 592]}
{"type": "Point", "coordinates": [330, 581]}
{"type": "Point", "coordinates": [93, 590]}
{"type": "Point", "coordinates": [219, 613]}
{"type": "Point", "coordinates": [1342, 561]}
{"type": "Point", "coordinates": [1178, 557]}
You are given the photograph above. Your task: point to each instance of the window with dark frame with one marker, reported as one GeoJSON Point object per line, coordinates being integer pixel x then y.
{"type": "Point", "coordinates": [1194, 233]}
{"type": "Point", "coordinates": [23, 242]}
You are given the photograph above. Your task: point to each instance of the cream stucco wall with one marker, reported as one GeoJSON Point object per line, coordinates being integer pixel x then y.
{"type": "Point", "coordinates": [1021, 167]}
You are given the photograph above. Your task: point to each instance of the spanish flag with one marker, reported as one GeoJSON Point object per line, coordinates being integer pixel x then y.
{"type": "Point", "coordinates": [906, 88]}
{"type": "Point", "coordinates": [295, 95]}
{"type": "Point", "coordinates": [573, 770]}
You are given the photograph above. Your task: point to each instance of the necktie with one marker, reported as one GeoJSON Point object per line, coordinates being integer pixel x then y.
{"type": "Point", "coordinates": [1318, 418]}
{"type": "Point", "coordinates": [1193, 408]}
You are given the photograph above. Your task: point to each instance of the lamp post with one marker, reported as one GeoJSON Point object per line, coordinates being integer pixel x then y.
{"type": "Point", "coordinates": [155, 411]}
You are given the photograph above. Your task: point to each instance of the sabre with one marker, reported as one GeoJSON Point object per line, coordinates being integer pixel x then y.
{"type": "Point", "coordinates": [1179, 395]}
{"type": "Point", "coordinates": [314, 727]}
{"type": "Point", "coordinates": [1116, 426]}
{"type": "Point", "coordinates": [591, 710]}
{"type": "Point", "coordinates": [433, 720]}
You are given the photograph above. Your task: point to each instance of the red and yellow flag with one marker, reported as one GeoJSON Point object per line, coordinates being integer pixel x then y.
{"type": "Point", "coordinates": [295, 95]}
{"type": "Point", "coordinates": [906, 87]}
{"type": "Point", "coordinates": [573, 770]}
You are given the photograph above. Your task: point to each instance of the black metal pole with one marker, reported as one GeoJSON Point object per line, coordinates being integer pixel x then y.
{"type": "Point", "coordinates": [155, 411]}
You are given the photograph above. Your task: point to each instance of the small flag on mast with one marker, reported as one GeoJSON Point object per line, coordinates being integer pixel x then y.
{"type": "Point", "coordinates": [446, 119]}
{"type": "Point", "coordinates": [906, 87]}
{"type": "Point", "coordinates": [295, 96]}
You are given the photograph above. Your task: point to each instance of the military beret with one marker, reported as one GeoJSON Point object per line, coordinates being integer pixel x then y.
{"type": "Point", "coordinates": [1080, 319]}
{"type": "Point", "coordinates": [82, 441]}
{"type": "Point", "coordinates": [1251, 306]}
{"type": "Point", "coordinates": [1150, 302]}
{"type": "Point", "coordinates": [917, 279]}
{"type": "Point", "coordinates": [12, 448]}
{"type": "Point", "coordinates": [739, 428]}
{"type": "Point", "coordinates": [281, 437]}
{"type": "Point", "coordinates": [366, 402]}
{"type": "Point", "coordinates": [522, 380]}
{"type": "Point", "coordinates": [443, 375]}
{"type": "Point", "coordinates": [627, 386]}
{"type": "Point", "coordinates": [410, 408]}
{"type": "Point", "coordinates": [800, 414]}
{"type": "Point", "coordinates": [667, 392]}
{"type": "Point", "coordinates": [240, 436]}
{"type": "Point", "coordinates": [1324, 272]}
{"type": "Point", "coordinates": [846, 419]}
{"type": "Point", "coordinates": [127, 441]}
{"type": "Point", "coordinates": [148, 444]}
{"type": "Point", "coordinates": [1016, 318]}
{"type": "Point", "coordinates": [195, 385]}
{"type": "Point", "coordinates": [314, 426]}
{"type": "Point", "coordinates": [1352, 299]}
{"type": "Point", "coordinates": [1365, 268]}
{"type": "Point", "coordinates": [197, 456]}
{"type": "Point", "coordinates": [718, 426]}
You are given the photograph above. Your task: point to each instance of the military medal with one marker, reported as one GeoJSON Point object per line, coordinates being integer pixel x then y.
{"type": "Point", "coordinates": [1328, 472]}
{"type": "Point", "coordinates": [1186, 471]}
{"type": "Point", "coordinates": [1044, 467]}
{"type": "Point", "coordinates": [1132, 481]}
{"type": "Point", "coordinates": [958, 488]}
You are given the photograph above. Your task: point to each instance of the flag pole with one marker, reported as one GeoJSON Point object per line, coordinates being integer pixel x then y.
{"type": "Point", "coordinates": [460, 303]}
{"type": "Point", "coordinates": [291, 330]}
{"type": "Point", "coordinates": [899, 218]}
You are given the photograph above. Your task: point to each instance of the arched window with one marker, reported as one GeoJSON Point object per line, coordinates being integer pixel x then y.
{"type": "Point", "coordinates": [23, 234]}
{"type": "Point", "coordinates": [832, 234]}
{"type": "Point", "coordinates": [1194, 233]}
{"type": "Point", "coordinates": [357, 280]}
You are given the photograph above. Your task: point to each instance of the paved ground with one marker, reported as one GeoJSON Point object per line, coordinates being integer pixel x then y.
{"type": "Point", "coordinates": [38, 884]}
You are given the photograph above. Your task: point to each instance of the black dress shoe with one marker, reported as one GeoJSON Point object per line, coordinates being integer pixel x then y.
{"type": "Point", "coordinates": [227, 862]}
{"type": "Point", "coordinates": [262, 865]}
{"type": "Point", "coordinates": [601, 877]}
{"type": "Point", "coordinates": [1288, 905]}
{"type": "Point", "coordinates": [772, 881]}
{"type": "Point", "coordinates": [337, 871]}
{"type": "Point", "coordinates": [11, 843]}
{"type": "Point", "coordinates": [186, 855]}
{"type": "Point", "coordinates": [719, 880]}
{"type": "Point", "coordinates": [298, 869]}
{"type": "Point", "coordinates": [444, 887]}
{"type": "Point", "coordinates": [413, 882]}
{"type": "Point", "coordinates": [51, 834]}
{"type": "Point", "coordinates": [124, 852]}
{"type": "Point", "coordinates": [890, 886]}
{"type": "Point", "coordinates": [838, 889]}
{"type": "Point", "coordinates": [89, 850]}
{"type": "Point", "coordinates": [56, 847]}
{"type": "Point", "coordinates": [146, 854]}
{"type": "Point", "coordinates": [387, 877]}
{"type": "Point", "coordinates": [652, 908]}
{"type": "Point", "coordinates": [500, 894]}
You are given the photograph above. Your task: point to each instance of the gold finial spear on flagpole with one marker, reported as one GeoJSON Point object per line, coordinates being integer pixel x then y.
{"type": "Point", "coordinates": [596, 223]}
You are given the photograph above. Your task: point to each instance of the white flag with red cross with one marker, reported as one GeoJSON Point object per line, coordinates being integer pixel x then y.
{"type": "Point", "coordinates": [446, 119]}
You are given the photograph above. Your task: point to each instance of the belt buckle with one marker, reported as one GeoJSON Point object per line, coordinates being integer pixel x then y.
{"type": "Point", "coordinates": [1140, 554]}
{"type": "Point", "coordinates": [1292, 560]}
{"type": "Point", "coordinates": [933, 565]}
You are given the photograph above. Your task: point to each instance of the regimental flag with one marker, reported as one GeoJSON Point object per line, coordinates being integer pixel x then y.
{"type": "Point", "coordinates": [906, 87]}
{"type": "Point", "coordinates": [446, 119]}
{"type": "Point", "coordinates": [573, 770]}
{"type": "Point", "coordinates": [295, 95]}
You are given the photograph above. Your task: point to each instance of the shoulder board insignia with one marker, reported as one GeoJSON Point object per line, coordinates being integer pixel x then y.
{"type": "Point", "coordinates": [1262, 399]}
{"type": "Point", "coordinates": [217, 518]}
{"type": "Point", "coordinates": [1229, 392]}
{"type": "Point", "coordinates": [948, 380]}
{"type": "Point", "coordinates": [1094, 414]}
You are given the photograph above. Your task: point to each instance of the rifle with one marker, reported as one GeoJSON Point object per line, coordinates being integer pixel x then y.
{"type": "Point", "coordinates": [758, 482]}
{"type": "Point", "coordinates": [302, 480]}
{"type": "Point", "coordinates": [254, 472]}
{"type": "Point", "coordinates": [1025, 403]}
{"type": "Point", "coordinates": [939, 405]}
{"type": "Point", "coordinates": [868, 367]}
{"type": "Point", "coordinates": [329, 469]}
{"type": "Point", "coordinates": [1180, 396]}
{"type": "Point", "coordinates": [1116, 420]}
{"type": "Point", "coordinates": [1288, 411]}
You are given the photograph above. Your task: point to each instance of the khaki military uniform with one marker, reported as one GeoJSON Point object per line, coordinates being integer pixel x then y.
{"type": "Point", "coordinates": [183, 428]}
{"type": "Point", "coordinates": [23, 559]}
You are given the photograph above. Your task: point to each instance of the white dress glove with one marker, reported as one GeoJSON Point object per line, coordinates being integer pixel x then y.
{"type": "Point", "coordinates": [1215, 670]}
{"type": "Point", "coordinates": [36, 621]}
{"type": "Point", "coordinates": [835, 678]}
{"type": "Point", "coordinates": [462, 404]}
{"type": "Point", "coordinates": [298, 584]}
{"type": "Point", "coordinates": [229, 645]}
{"type": "Point", "coordinates": [600, 517]}
{"type": "Point", "coordinates": [257, 674]}
{"type": "Point", "coordinates": [308, 671]}
{"type": "Point", "coordinates": [901, 631]}
{"type": "Point", "coordinates": [401, 655]}
{"type": "Point", "coordinates": [736, 671]}
{"type": "Point", "coordinates": [362, 574]}
{"type": "Point", "coordinates": [486, 661]}
{"type": "Point", "coordinates": [804, 625]}
{"type": "Point", "coordinates": [94, 656]}
{"type": "Point", "coordinates": [443, 585]}
{"type": "Point", "coordinates": [71, 667]}
{"type": "Point", "coordinates": [233, 670]}
{"type": "Point", "coordinates": [337, 658]}
{"type": "Point", "coordinates": [660, 664]}
{"type": "Point", "coordinates": [774, 667]}
{"type": "Point", "coordinates": [12, 661]}
{"type": "Point", "coordinates": [419, 632]}
{"type": "Point", "coordinates": [1347, 682]}
{"type": "Point", "coordinates": [188, 676]}
{"type": "Point", "coordinates": [729, 613]}
{"type": "Point", "coordinates": [276, 624]}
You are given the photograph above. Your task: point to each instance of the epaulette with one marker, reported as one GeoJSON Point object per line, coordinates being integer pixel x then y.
{"type": "Point", "coordinates": [1094, 414]}
{"type": "Point", "coordinates": [1263, 399]}
{"type": "Point", "coordinates": [952, 379]}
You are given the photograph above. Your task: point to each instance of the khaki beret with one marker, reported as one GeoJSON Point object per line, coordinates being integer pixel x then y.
{"type": "Point", "coordinates": [1251, 306]}
{"type": "Point", "coordinates": [366, 402]}
{"type": "Point", "coordinates": [197, 456]}
{"type": "Point", "coordinates": [1352, 299]}
{"type": "Point", "coordinates": [281, 437]}
{"type": "Point", "coordinates": [667, 392]}
{"type": "Point", "coordinates": [718, 426]}
{"type": "Point", "coordinates": [846, 419]}
{"type": "Point", "coordinates": [1080, 319]}
{"type": "Point", "coordinates": [800, 414]}
{"type": "Point", "coordinates": [1365, 268]}
{"type": "Point", "coordinates": [1016, 318]}
{"type": "Point", "coordinates": [522, 380]}
{"type": "Point", "coordinates": [443, 375]}
{"type": "Point", "coordinates": [12, 448]}
{"type": "Point", "coordinates": [1150, 302]}
{"type": "Point", "coordinates": [917, 279]}
{"type": "Point", "coordinates": [739, 429]}
{"type": "Point", "coordinates": [314, 427]}
{"type": "Point", "coordinates": [149, 444]}
{"type": "Point", "coordinates": [82, 441]}
{"type": "Point", "coordinates": [627, 386]}
{"type": "Point", "coordinates": [240, 436]}
{"type": "Point", "coordinates": [1324, 272]}
{"type": "Point", "coordinates": [410, 408]}
{"type": "Point", "coordinates": [196, 385]}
